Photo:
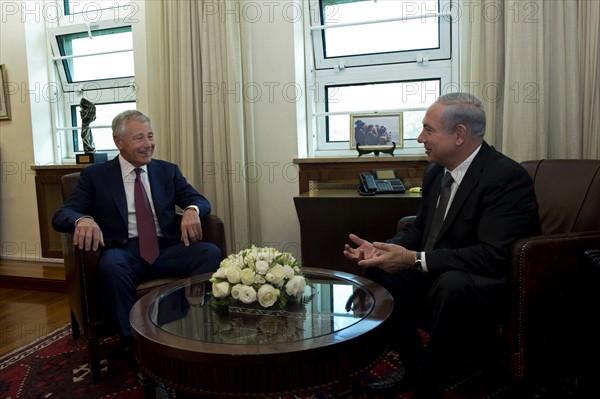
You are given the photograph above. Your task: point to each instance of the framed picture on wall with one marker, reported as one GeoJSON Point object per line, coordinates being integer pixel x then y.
{"type": "Point", "coordinates": [4, 99]}
{"type": "Point", "coordinates": [376, 130]}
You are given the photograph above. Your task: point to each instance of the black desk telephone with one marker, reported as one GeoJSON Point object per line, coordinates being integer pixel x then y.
{"type": "Point", "coordinates": [380, 181]}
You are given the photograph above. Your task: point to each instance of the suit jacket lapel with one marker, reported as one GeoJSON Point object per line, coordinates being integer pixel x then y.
{"type": "Point", "coordinates": [468, 183]}
{"type": "Point", "coordinates": [156, 177]}
{"type": "Point", "coordinates": [114, 179]}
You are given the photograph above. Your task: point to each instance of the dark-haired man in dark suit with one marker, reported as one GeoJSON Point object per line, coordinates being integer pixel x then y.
{"type": "Point", "coordinates": [449, 274]}
{"type": "Point", "coordinates": [101, 212]}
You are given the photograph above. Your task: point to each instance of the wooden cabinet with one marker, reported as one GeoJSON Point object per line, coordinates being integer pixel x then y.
{"type": "Point", "coordinates": [327, 217]}
{"type": "Point", "coordinates": [49, 198]}
{"type": "Point", "coordinates": [343, 172]}
{"type": "Point", "coordinates": [329, 207]}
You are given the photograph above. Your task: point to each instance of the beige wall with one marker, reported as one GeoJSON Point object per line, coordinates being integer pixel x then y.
{"type": "Point", "coordinates": [19, 235]}
{"type": "Point", "coordinates": [275, 127]}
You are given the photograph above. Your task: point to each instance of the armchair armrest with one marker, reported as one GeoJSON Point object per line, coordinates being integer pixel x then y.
{"type": "Point", "coordinates": [79, 267]}
{"type": "Point", "coordinates": [547, 285]}
{"type": "Point", "coordinates": [213, 231]}
{"type": "Point", "coordinates": [406, 220]}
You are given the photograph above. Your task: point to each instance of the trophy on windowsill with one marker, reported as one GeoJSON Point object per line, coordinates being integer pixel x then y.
{"type": "Point", "coordinates": [87, 110]}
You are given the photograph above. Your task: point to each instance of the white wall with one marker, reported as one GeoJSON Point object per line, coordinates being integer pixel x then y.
{"type": "Point", "coordinates": [275, 128]}
{"type": "Point", "coordinates": [19, 231]}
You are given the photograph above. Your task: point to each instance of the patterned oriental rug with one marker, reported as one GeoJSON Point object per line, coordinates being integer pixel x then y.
{"type": "Point", "coordinates": [55, 366]}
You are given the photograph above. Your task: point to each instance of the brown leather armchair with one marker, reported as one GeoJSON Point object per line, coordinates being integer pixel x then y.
{"type": "Point", "coordinates": [83, 290]}
{"type": "Point", "coordinates": [551, 300]}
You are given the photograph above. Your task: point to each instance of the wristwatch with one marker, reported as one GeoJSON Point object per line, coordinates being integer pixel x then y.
{"type": "Point", "coordinates": [418, 265]}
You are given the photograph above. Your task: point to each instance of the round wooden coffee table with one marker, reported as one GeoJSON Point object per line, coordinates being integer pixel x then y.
{"type": "Point", "coordinates": [254, 353]}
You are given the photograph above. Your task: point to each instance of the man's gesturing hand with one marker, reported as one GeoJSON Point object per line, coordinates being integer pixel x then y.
{"type": "Point", "coordinates": [389, 257]}
{"type": "Point", "coordinates": [364, 249]}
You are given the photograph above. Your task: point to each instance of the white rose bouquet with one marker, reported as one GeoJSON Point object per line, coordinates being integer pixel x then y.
{"type": "Point", "coordinates": [262, 275]}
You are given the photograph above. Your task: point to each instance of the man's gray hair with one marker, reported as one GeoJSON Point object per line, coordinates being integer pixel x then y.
{"type": "Point", "coordinates": [119, 122]}
{"type": "Point", "coordinates": [463, 108]}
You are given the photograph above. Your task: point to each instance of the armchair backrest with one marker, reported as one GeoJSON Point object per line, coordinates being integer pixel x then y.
{"type": "Point", "coordinates": [568, 194]}
{"type": "Point", "coordinates": [69, 182]}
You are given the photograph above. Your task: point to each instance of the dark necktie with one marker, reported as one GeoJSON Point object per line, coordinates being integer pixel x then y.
{"type": "Point", "coordinates": [440, 211]}
{"type": "Point", "coordinates": [148, 239]}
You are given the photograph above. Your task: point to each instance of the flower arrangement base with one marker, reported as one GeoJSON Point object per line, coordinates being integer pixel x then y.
{"type": "Point", "coordinates": [253, 324]}
{"type": "Point", "coordinates": [257, 309]}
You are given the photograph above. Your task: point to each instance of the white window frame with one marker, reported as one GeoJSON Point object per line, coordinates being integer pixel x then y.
{"type": "Point", "coordinates": [53, 33]}
{"type": "Point", "coordinates": [417, 65]}
{"type": "Point", "coordinates": [100, 91]}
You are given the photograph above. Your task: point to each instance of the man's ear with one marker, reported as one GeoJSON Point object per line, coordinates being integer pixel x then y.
{"type": "Point", "coordinates": [117, 142]}
{"type": "Point", "coordinates": [460, 131]}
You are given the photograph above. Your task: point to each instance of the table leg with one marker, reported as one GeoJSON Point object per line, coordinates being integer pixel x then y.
{"type": "Point", "coordinates": [148, 385]}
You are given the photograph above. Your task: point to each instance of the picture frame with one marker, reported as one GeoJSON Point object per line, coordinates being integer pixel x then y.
{"type": "Point", "coordinates": [4, 99]}
{"type": "Point", "coordinates": [379, 131]}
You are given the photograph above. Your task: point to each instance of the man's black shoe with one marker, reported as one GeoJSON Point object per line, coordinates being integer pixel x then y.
{"type": "Point", "coordinates": [126, 343]}
{"type": "Point", "coordinates": [396, 382]}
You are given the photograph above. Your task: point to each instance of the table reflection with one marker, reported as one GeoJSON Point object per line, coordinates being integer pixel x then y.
{"type": "Point", "coordinates": [334, 305]}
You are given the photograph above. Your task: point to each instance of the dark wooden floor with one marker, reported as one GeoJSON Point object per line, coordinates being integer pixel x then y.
{"type": "Point", "coordinates": [33, 302]}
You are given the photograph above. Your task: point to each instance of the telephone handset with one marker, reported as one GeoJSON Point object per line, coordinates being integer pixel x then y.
{"type": "Point", "coordinates": [367, 184]}
{"type": "Point", "coordinates": [380, 181]}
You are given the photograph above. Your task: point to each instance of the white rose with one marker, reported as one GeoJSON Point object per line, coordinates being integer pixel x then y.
{"type": "Point", "coordinates": [295, 286]}
{"type": "Point", "coordinates": [220, 273]}
{"type": "Point", "coordinates": [288, 271]}
{"type": "Point", "coordinates": [246, 293]}
{"type": "Point", "coordinates": [267, 295]}
{"type": "Point", "coordinates": [267, 254]}
{"type": "Point", "coordinates": [275, 275]}
{"type": "Point", "coordinates": [247, 276]}
{"type": "Point", "coordinates": [220, 290]}
{"type": "Point", "coordinates": [250, 258]}
{"type": "Point", "coordinates": [261, 266]}
{"type": "Point", "coordinates": [235, 291]}
{"type": "Point", "coordinates": [233, 274]}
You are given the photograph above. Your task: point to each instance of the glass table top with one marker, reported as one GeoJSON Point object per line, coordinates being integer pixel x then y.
{"type": "Point", "coordinates": [185, 311]}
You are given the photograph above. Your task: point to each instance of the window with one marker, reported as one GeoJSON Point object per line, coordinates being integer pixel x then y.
{"type": "Point", "coordinates": [102, 58]}
{"type": "Point", "coordinates": [374, 56]}
{"type": "Point", "coordinates": [92, 52]}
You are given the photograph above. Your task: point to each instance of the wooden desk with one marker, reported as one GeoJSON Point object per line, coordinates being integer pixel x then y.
{"type": "Point", "coordinates": [327, 217]}
{"type": "Point", "coordinates": [49, 198]}
{"type": "Point", "coordinates": [343, 172]}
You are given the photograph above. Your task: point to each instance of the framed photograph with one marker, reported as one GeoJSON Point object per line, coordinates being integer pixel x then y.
{"type": "Point", "coordinates": [4, 99]}
{"type": "Point", "coordinates": [373, 131]}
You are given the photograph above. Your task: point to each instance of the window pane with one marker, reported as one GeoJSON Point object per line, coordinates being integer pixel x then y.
{"type": "Point", "coordinates": [96, 67]}
{"type": "Point", "coordinates": [380, 97]}
{"type": "Point", "coordinates": [417, 29]}
{"type": "Point", "coordinates": [104, 115]}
